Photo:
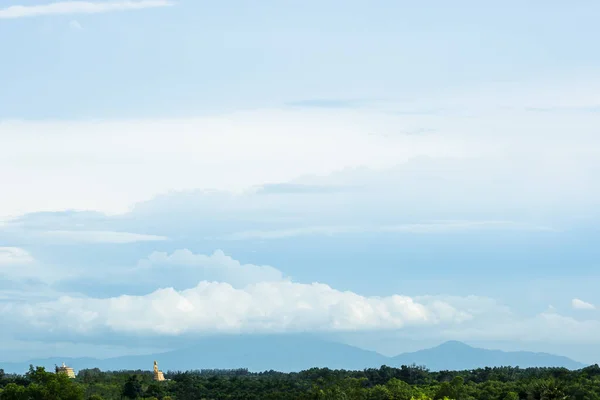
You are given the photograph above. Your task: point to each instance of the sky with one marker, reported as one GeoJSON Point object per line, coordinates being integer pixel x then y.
{"type": "Point", "coordinates": [390, 174]}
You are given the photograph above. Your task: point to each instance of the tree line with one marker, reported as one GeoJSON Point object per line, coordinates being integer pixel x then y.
{"type": "Point", "coordinates": [385, 383]}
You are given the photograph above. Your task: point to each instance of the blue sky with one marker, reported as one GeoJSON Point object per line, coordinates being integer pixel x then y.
{"type": "Point", "coordinates": [419, 172]}
{"type": "Point", "coordinates": [210, 56]}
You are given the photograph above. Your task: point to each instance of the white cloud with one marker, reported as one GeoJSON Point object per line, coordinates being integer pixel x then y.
{"type": "Point", "coordinates": [582, 305]}
{"type": "Point", "coordinates": [422, 228]}
{"type": "Point", "coordinates": [75, 25]}
{"type": "Point", "coordinates": [244, 298]}
{"type": "Point", "coordinates": [548, 326]}
{"type": "Point", "coordinates": [23, 293]}
{"type": "Point", "coordinates": [98, 236]}
{"type": "Point", "coordinates": [79, 7]}
{"type": "Point", "coordinates": [463, 165]}
{"type": "Point", "coordinates": [230, 152]}
{"type": "Point", "coordinates": [14, 256]}
{"type": "Point", "coordinates": [493, 321]}
{"type": "Point", "coordinates": [279, 307]}
{"type": "Point", "coordinates": [218, 307]}
{"type": "Point", "coordinates": [291, 232]}
{"type": "Point", "coordinates": [261, 299]}
{"type": "Point", "coordinates": [477, 306]}
{"type": "Point", "coordinates": [182, 268]}
{"type": "Point", "coordinates": [285, 306]}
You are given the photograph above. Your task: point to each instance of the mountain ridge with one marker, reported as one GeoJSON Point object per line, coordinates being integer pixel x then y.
{"type": "Point", "coordinates": [288, 353]}
{"type": "Point", "coordinates": [467, 357]}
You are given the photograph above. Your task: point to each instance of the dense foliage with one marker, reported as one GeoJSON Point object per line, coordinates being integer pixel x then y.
{"type": "Point", "coordinates": [385, 383]}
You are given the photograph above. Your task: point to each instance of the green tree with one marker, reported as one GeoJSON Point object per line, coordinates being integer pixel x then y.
{"type": "Point", "coordinates": [421, 396]}
{"type": "Point", "coordinates": [444, 390]}
{"type": "Point", "coordinates": [458, 389]}
{"type": "Point", "coordinates": [511, 396]}
{"type": "Point", "coordinates": [132, 388]}
{"type": "Point", "coordinates": [399, 390]}
{"type": "Point", "coordinates": [380, 392]}
{"type": "Point", "coordinates": [155, 389]}
{"type": "Point", "coordinates": [12, 391]}
{"type": "Point", "coordinates": [48, 386]}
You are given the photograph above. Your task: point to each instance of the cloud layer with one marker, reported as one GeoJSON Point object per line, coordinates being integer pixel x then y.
{"type": "Point", "coordinates": [14, 256]}
{"type": "Point", "coordinates": [439, 227]}
{"type": "Point", "coordinates": [489, 160]}
{"type": "Point", "coordinates": [79, 7]}
{"type": "Point", "coordinates": [260, 300]}
{"type": "Point", "coordinates": [82, 236]}
{"type": "Point", "coordinates": [184, 294]}
{"type": "Point", "coordinates": [215, 307]}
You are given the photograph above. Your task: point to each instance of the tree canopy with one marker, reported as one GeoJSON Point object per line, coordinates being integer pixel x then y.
{"type": "Point", "coordinates": [385, 383]}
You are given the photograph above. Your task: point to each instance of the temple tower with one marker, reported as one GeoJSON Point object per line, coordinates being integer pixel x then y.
{"type": "Point", "coordinates": [66, 370]}
{"type": "Point", "coordinates": [158, 375]}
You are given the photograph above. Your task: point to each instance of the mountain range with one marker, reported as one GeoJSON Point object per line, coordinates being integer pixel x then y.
{"type": "Point", "coordinates": [288, 353]}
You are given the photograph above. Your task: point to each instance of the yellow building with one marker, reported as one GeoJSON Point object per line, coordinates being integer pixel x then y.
{"type": "Point", "coordinates": [158, 375]}
{"type": "Point", "coordinates": [66, 370]}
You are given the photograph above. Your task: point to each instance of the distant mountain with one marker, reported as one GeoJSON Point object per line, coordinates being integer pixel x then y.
{"type": "Point", "coordinates": [455, 355]}
{"type": "Point", "coordinates": [283, 353]}
{"type": "Point", "coordinates": [298, 352]}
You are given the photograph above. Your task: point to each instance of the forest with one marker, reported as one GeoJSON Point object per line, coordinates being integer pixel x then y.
{"type": "Point", "coordinates": [385, 383]}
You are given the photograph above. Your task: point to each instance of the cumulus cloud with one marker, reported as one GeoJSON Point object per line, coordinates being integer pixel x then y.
{"type": "Point", "coordinates": [260, 299]}
{"type": "Point", "coordinates": [287, 307]}
{"type": "Point", "coordinates": [79, 7]}
{"type": "Point", "coordinates": [582, 305]}
{"type": "Point", "coordinates": [14, 255]}
{"type": "Point", "coordinates": [182, 268]}
{"type": "Point", "coordinates": [208, 294]}
{"type": "Point", "coordinates": [213, 307]}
